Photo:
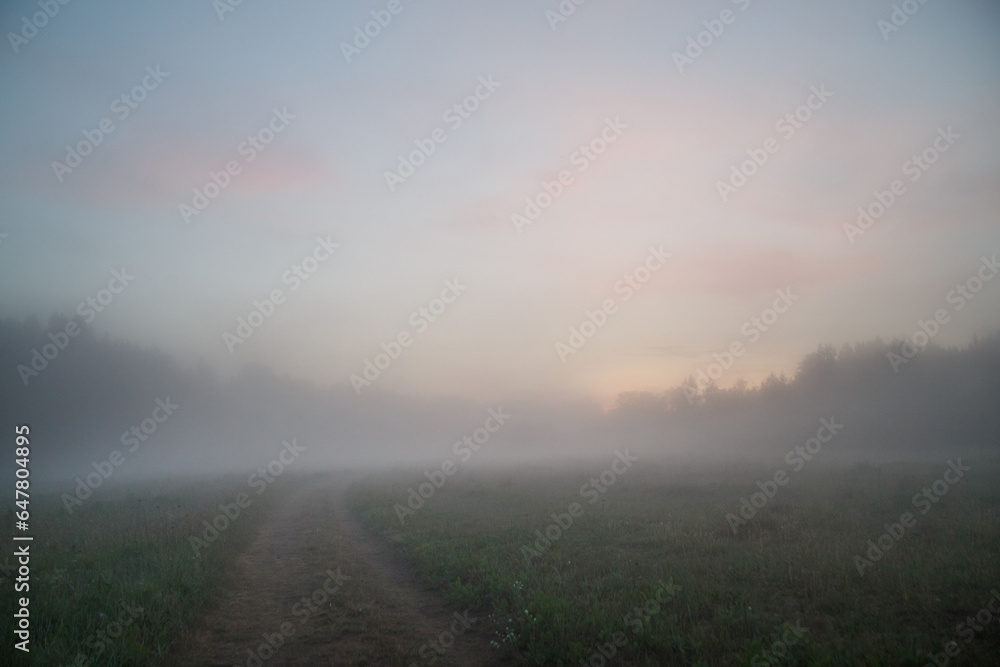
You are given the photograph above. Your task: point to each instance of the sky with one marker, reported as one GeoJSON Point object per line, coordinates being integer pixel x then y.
{"type": "Point", "coordinates": [610, 118]}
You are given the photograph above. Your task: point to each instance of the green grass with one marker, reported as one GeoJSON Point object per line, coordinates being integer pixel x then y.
{"type": "Point", "coordinates": [607, 582]}
{"type": "Point", "coordinates": [793, 563]}
{"type": "Point", "coordinates": [124, 548]}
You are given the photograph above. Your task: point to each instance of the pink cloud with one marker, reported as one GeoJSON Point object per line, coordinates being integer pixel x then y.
{"type": "Point", "coordinates": [732, 271]}
{"type": "Point", "coordinates": [162, 173]}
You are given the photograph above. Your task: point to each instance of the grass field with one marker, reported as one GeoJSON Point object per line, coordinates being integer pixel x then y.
{"type": "Point", "coordinates": [650, 573]}
{"type": "Point", "coordinates": [117, 582]}
{"type": "Point", "coordinates": [654, 560]}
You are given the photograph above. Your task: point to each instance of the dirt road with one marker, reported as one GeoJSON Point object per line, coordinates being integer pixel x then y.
{"type": "Point", "coordinates": [317, 588]}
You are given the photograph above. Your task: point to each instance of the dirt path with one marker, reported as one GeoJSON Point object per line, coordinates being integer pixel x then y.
{"type": "Point", "coordinates": [315, 587]}
{"type": "Point", "coordinates": [426, 610]}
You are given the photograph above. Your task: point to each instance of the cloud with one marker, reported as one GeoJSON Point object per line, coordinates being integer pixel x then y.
{"type": "Point", "coordinates": [734, 271]}
{"type": "Point", "coordinates": [160, 172]}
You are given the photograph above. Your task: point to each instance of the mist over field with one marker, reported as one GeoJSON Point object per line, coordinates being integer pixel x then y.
{"type": "Point", "coordinates": [167, 419]}
{"type": "Point", "coordinates": [571, 332]}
